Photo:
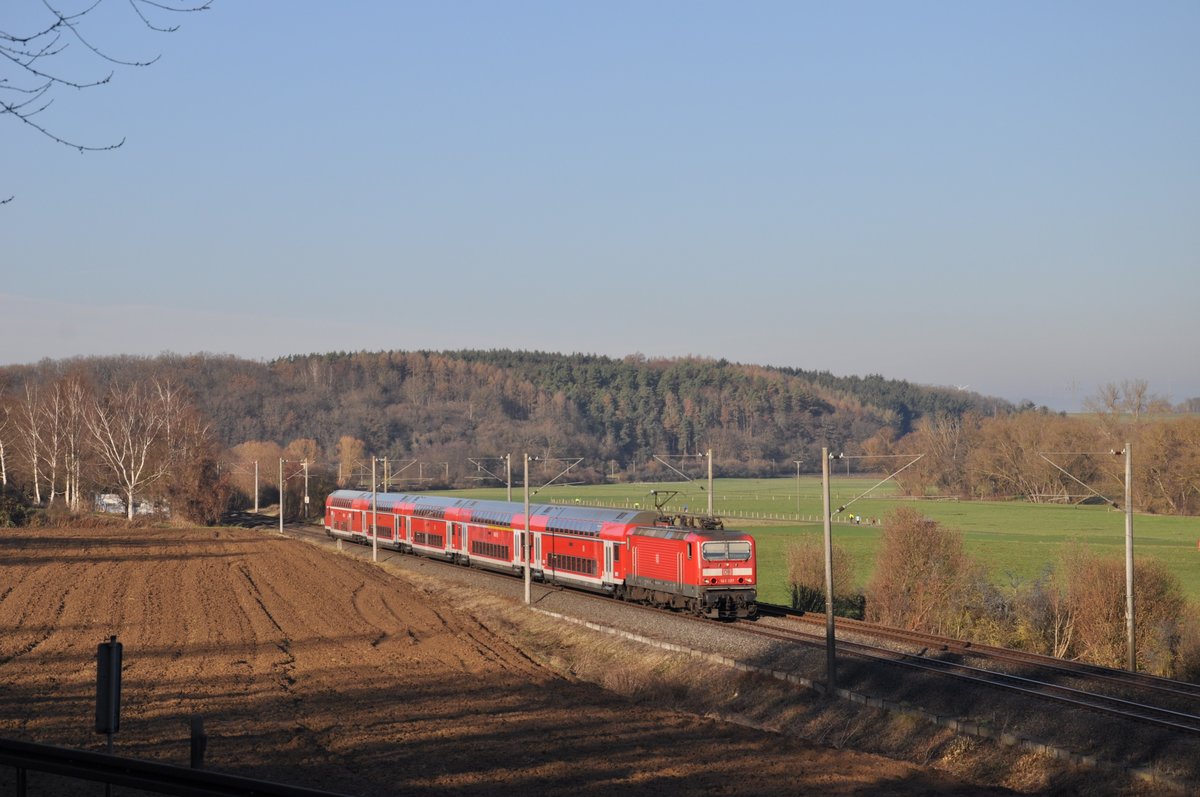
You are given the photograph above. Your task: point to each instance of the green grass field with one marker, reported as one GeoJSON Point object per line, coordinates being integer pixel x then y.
{"type": "Point", "coordinates": [1015, 540]}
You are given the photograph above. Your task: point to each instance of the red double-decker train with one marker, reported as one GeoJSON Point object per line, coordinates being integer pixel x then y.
{"type": "Point", "coordinates": [629, 554]}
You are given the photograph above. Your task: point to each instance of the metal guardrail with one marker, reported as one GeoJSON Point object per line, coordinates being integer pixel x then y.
{"type": "Point", "coordinates": [145, 775]}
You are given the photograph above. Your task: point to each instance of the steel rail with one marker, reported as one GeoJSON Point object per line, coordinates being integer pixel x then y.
{"type": "Point", "coordinates": [1078, 698]}
{"type": "Point", "coordinates": [1094, 672]}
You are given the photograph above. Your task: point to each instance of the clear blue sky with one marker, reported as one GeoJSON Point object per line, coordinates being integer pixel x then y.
{"type": "Point", "coordinates": [1000, 195]}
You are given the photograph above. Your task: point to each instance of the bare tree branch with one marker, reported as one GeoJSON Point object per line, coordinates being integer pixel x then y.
{"type": "Point", "coordinates": [31, 69]}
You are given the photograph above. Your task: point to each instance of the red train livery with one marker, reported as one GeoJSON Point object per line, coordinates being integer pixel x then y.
{"type": "Point", "coordinates": [626, 553]}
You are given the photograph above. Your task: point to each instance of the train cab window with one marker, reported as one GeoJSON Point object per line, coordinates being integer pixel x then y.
{"type": "Point", "coordinates": [689, 551]}
{"type": "Point", "coordinates": [738, 551]}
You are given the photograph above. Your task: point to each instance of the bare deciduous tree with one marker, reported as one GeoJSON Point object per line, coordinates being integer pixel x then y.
{"type": "Point", "coordinates": [806, 575]}
{"type": "Point", "coordinates": [1044, 620]}
{"type": "Point", "coordinates": [351, 454]}
{"type": "Point", "coordinates": [1094, 589]}
{"type": "Point", "coordinates": [195, 487]}
{"type": "Point", "coordinates": [1107, 400]}
{"type": "Point", "coordinates": [48, 428]}
{"type": "Point", "coordinates": [1131, 397]}
{"type": "Point", "coordinates": [923, 576]}
{"type": "Point", "coordinates": [51, 418]}
{"type": "Point", "coordinates": [29, 437]}
{"type": "Point", "coordinates": [126, 427]}
{"type": "Point", "coordinates": [76, 400]}
{"type": "Point", "coordinates": [1005, 459]}
{"type": "Point", "coordinates": [1136, 397]}
{"type": "Point", "coordinates": [303, 449]}
{"type": "Point", "coordinates": [944, 441]}
{"type": "Point", "coordinates": [1166, 466]}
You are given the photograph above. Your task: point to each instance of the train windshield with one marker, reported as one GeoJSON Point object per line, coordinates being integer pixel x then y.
{"type": "Point", "coordinates": [726, 551]}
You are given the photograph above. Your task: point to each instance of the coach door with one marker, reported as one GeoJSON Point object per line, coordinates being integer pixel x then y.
{"type": "Point", "coordinates": [608, 561]}
{"type": "Point", "coordinates": [457, 545]}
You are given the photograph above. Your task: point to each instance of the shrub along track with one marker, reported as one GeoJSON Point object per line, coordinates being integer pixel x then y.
{"type": "Point", "coordinates": [329, 672]}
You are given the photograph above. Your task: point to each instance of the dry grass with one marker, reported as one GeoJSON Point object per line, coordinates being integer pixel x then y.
{"type": "Point", "coordinates": [61, 518]}
{"type": "Point", "coordinates": [684, 683]}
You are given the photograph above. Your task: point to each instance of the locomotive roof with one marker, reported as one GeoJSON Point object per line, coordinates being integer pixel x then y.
{"type": "Point", "coordinates": [678, 533]}
{"type": "Point", "coordinates": [587, 519]}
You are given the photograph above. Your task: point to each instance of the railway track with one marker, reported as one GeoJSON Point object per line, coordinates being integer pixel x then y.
{"type": "Point", "coordinates": [1122, 708]}
{"type": "Point", "coordinates": [1184, 693]}
{"type": "Point", "coordinates": [1171, 718]}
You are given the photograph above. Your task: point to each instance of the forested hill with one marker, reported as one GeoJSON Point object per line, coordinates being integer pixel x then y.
{"type": "Point", "coordinates": [898, 403]}
{"type": "Point", "coordinates": [447, 406]}
{"type": "Point", "coordinates": [464, 403]}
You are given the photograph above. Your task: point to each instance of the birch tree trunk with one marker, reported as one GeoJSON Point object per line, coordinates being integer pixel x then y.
{"type": "Point", "coordinates": [29, 437]}
{"type": "Point", "coordinates": [52, 411]}
{"type": "Point", "coordinates": [4, 421]}
{"type": "Point", "coordinates": [76, 401]}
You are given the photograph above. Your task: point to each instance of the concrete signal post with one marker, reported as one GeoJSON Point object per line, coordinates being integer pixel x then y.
{"type": "Point", "coordinates": [525, 535]}
{"type": "Point", "coordinates": [374, 514]}
{"type": "Point", "coordinates": [1131, 659]}
{"type": "Point", "coordinates": [830, 641]}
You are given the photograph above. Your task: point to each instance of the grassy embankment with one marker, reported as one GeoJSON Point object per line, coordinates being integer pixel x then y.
{"type": "Point", "coordinates": [1015, 540]}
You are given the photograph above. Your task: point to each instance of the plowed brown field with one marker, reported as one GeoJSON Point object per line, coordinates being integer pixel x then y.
{"type": "Point", "coordinates": [328, 672]}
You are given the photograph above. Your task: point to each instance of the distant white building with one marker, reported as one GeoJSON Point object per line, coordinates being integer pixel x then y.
{"type": "Point", "coordinates": [115, 504]}
{"type": "Point", "coordinates": [110, 502]}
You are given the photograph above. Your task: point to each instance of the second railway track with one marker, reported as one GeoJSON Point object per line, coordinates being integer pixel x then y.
{"type": "Point", "coordinates": [1028, 686]}
{"type": "Point", "coordinates": [1179, 692]}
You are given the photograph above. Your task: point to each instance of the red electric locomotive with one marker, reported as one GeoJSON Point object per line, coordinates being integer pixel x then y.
{"type": "Point", "coordinates": [629, 554]}
{"type": "Point", "coordinates": [709, 572]}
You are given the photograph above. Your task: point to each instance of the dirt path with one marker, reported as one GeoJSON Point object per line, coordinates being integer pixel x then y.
{"type": "Point", "coordinates": [325, 671]}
